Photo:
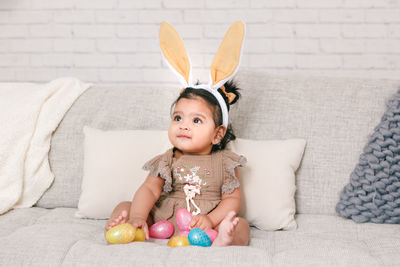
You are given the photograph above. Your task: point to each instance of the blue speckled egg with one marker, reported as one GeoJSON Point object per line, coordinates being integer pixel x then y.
{"type": "Point", "coordinates": [198, 237]}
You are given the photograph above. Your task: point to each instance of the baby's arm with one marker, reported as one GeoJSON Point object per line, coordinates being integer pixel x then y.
{"type": "Point", "coordinates": [143, 201]}
{"type": "Point", "coordinates": [229, 202]}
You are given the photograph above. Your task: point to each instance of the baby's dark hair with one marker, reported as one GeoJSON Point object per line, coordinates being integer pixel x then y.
{"type": "Point", "coordinates": [230, 87]}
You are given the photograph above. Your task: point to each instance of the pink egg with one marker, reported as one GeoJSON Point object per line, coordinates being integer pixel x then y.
{"type": "Point", "coordinates": [212, 234]}
{"type": "Point", "coordinates": [183, 219]}
{"type": "Point", "coordinates": [183, 233]}
{"type": "Point", "coordinates": [161, 230]}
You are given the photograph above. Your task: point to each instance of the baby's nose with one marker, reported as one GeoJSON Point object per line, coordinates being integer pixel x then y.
{"type": "Point", "coordinates": [183, 127]}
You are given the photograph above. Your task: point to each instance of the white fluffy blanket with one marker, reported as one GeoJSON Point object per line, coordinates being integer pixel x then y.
{"type": "Point", "coordinates": [29, 114]}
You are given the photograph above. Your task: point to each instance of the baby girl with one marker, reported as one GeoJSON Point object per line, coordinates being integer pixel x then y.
{"type": "Point", "coordinates": [198, 173]}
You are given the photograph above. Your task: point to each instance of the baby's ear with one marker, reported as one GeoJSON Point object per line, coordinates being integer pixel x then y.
{"type": "Point", "coordinates": [220, 132]}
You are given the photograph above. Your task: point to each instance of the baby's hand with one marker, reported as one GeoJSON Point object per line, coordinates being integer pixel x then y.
{"type": "Point", "coordinates": [201, 221]}
{"type": "Point", "coordinates": [139, 222]}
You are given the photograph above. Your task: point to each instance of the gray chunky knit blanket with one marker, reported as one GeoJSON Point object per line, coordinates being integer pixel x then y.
{"type": "Point", "coordinates": [373, 194]}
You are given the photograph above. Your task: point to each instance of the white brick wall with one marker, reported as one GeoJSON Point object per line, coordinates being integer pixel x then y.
{"type": "Point", "coordinates": [116, 41]}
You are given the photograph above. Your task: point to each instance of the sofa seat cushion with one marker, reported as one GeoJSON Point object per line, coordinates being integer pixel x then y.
{"type": "Point", "coordinates": [55, 237]}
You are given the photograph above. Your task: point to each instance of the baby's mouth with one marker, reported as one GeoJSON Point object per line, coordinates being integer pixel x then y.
{"type": "Point", "coordinates": [184, 136]}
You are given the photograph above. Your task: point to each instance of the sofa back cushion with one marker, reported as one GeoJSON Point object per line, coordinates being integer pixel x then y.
{"type": "Point", "coordinates": [334, 115]}
{"type": "Point", "coordinates": [107, 108]}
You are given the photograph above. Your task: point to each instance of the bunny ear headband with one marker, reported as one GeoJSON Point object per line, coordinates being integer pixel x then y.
{"type": "Point", "coordinates": [224, 66]}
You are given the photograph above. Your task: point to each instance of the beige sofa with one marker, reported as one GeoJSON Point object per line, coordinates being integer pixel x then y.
{"type": "Point", "coordinates": [334, 115]}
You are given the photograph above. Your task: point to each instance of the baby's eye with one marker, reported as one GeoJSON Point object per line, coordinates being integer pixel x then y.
{"type": "Point", "coordinates": [177, 118]}
{"type": "Point", "coordinates": [196, 120]}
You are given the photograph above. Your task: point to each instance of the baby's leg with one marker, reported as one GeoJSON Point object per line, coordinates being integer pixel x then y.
{"type": "Point", "coordinates": [232, 231]}
{"type": "Point", "coordinates": [119, 215]}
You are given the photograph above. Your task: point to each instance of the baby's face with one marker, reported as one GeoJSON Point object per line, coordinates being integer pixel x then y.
{"type": "Point", "coordinates": [192, 129]}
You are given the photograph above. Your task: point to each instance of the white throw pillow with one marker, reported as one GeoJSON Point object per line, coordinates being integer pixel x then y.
{"type": "Point", "coordinates": [268, 181]}
{"type": "Point", "coordinates": [113, 172]}
{"type": "Point", "coordinates": [113, 163]}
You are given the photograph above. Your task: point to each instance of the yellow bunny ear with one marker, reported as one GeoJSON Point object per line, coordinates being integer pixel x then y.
{"type": "Point", "coordinates": [175, 54]}
{"type": "Point", "coordinates": [226, 60]}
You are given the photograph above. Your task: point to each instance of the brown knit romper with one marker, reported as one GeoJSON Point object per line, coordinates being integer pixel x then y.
{"type": "Point", "coordinates": [206, 177]}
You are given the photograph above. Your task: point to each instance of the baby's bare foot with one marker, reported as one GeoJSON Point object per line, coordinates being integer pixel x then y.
{"type": "Point", "coordinates": [226, 230]}
{"type": "Point", "coordinates": [120, 219]}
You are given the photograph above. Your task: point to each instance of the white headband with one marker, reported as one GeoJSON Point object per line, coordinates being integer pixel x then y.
{"type": "Point", "coordinates": [220, 99]}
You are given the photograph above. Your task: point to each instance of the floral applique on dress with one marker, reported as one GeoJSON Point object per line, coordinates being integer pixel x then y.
{"type": "Point", "coordinates": [191, 180]}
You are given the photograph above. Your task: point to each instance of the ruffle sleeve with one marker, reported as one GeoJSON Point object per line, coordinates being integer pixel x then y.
{"type": "Point", "coordinates": [231, 160]}
{"type": "Point", "coordinates": [161, 166]}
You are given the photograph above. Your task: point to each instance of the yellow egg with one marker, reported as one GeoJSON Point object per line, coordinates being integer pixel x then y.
{"type": "Point", "coordinates": [178, 241]}
{"type": "Point", "coordinates": [139, 236]}
{"type": "Point", "coordinates": [121, 234]}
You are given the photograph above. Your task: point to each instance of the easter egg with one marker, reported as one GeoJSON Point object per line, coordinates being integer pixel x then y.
{"type": "Point", "coordinates": [198, 237]}
{"type": "Point", "coordinates": [178, 241]}
{"type": "Point", "coordinates": [212, 234]}
{"type": "Point", "coordinates": [161, 230]}
{"type": "Point", "coordinates": [183, 219]}
{"type": "Point", "coordinates": [139, 236]}
{"type": "Point", "coordinates": [121, 234]}
{"type": "Point", "coordinates": [183, 233]}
